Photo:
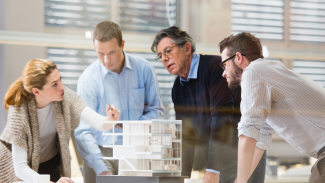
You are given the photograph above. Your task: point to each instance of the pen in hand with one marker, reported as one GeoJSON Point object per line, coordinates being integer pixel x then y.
{"type": "Point", "coordinates": [109, 105]}
{"type": "Point", "coordinates": [118, 125]}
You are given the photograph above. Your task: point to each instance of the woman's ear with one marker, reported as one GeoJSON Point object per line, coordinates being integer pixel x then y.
{"type": "Point", "coordinates": [35, 91]}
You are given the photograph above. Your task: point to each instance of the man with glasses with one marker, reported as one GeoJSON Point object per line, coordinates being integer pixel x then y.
{"type": "Point", "coordinates": [274, 99]}
{"type": "Point", "coordinates": [205, 104]}
{"type": "Point", "coordinates": [127, 81]}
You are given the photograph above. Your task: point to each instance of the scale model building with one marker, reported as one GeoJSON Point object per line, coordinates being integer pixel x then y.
{"type": "Point", "coordinates": [150, 148]}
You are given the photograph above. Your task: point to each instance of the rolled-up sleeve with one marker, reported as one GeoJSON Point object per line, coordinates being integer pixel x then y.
{"type": "Point", "coordinates": [265, 139]}
{"type": "Point", "coordinates": [255, 107]}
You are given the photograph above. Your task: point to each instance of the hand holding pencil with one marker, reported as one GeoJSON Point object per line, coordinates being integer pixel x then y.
{"type": "Point", "coordinates": [113, 114]}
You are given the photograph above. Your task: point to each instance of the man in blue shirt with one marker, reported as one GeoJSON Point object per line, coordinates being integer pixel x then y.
{"type": "Point", "coordinates": [206, 106]}
{"type": "Point", "coordinates": [126, 81]}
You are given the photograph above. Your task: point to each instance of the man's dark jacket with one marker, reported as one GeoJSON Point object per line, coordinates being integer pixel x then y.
{"type": "Point", "coordinates": [210, 112]}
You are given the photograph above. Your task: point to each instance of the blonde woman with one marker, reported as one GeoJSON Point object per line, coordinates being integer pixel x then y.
{"type": "Point", "coordinates": [41, 115]}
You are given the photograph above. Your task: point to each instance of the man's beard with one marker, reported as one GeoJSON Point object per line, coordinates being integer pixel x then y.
{"type": "Point", "coordinates": [234, 78]}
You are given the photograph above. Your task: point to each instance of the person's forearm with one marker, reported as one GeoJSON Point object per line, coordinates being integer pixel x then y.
{"type": "Point", "coordinates": [99, 166]}
{"type": "Point", "coordinates": [96, 120]}
{"type": "Point", "coordinates": [256, 159]}
{"type": "Point", "coordinates": [92, 118]}
{"type": "Point", "coordinates": [22, 170]}
{"type": "Point", "coordinates": [246, 148]}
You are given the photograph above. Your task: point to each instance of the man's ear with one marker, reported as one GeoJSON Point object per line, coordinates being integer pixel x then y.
{"type": "Point", "coordinates": [188, 48]}
{"type": "Point", "coordinates": [240, 58]}
{"type": "Point", "coordinates": [122, 44]}
{"type": "Point", "coordinates": [35, 91]}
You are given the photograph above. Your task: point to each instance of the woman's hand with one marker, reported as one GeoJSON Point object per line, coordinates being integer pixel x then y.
{"type": "Point", "coordinates": [64, 180]}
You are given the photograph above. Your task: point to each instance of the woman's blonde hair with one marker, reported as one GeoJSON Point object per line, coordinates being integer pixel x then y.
{"type": "Point", "coordinates": [34, 76]}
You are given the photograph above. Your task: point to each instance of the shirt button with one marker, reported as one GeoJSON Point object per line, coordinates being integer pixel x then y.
{"type": "Point", "coordinates": [124, 107]}
{"type": "Point", "coordinates": [122, 93]}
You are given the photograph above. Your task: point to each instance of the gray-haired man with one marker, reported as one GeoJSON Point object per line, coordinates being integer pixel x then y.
{"type": "Point", "coordinates": [205, 104]}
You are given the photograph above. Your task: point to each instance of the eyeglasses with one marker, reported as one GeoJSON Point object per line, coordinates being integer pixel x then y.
{"type": "Point", "coordinates": [167, 52]}
{"type": "Point", "coordinates": [223, 63]}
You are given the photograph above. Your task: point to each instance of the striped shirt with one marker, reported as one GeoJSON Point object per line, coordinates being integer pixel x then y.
{"type": "Point", "coordinates": [276, 99]}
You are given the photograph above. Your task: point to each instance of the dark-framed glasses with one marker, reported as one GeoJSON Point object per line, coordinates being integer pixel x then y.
{"type": "Point", "coordinates": [167, 52]}
{"type": "Point", "coordinates": [223, 63]}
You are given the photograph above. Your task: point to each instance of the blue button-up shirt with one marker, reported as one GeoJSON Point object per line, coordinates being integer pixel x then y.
{"type": "Point", "coordinates": [193, 69]}
{"type": "Point", "coordinates": [193, 75]}
{"type": "Point", "coordinates": [135, 92]}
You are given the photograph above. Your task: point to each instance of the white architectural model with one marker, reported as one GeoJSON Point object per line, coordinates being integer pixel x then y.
{"type": "Point", "coordinates": [150, 148]}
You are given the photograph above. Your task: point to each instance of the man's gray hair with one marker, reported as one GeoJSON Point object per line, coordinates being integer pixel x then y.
{"type": "Point", "coordinates": [177, 35]}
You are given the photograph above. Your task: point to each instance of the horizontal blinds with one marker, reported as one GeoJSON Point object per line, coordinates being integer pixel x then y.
{"type": "Point", "coordinates": [134, 15]}
{"type": "Point", "coordinates": [147, 15]}
{"type": "Point", "coordinates": [76, 13]}
{"type": "Point", "coordinates": [307, 20]}
{"type": "Point", "coordinates": [264, 18]}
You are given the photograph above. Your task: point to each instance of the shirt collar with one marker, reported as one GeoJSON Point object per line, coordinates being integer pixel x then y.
{"type": "Point", "coordinates": [127, 64]}
{"type": "Point", "coordinates": [127, 61]}
{"type": "Point", "coordinates": [255, 61]}
{"type": "Point", "coordinates": [193, 69]}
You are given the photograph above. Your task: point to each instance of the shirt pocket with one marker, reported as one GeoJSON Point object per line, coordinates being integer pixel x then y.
{"type": "Point", "coordinates": [136, 103]}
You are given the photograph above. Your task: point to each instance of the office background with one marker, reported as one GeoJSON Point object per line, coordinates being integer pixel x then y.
{"type": "Point", "coordinates": [292, 32]}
